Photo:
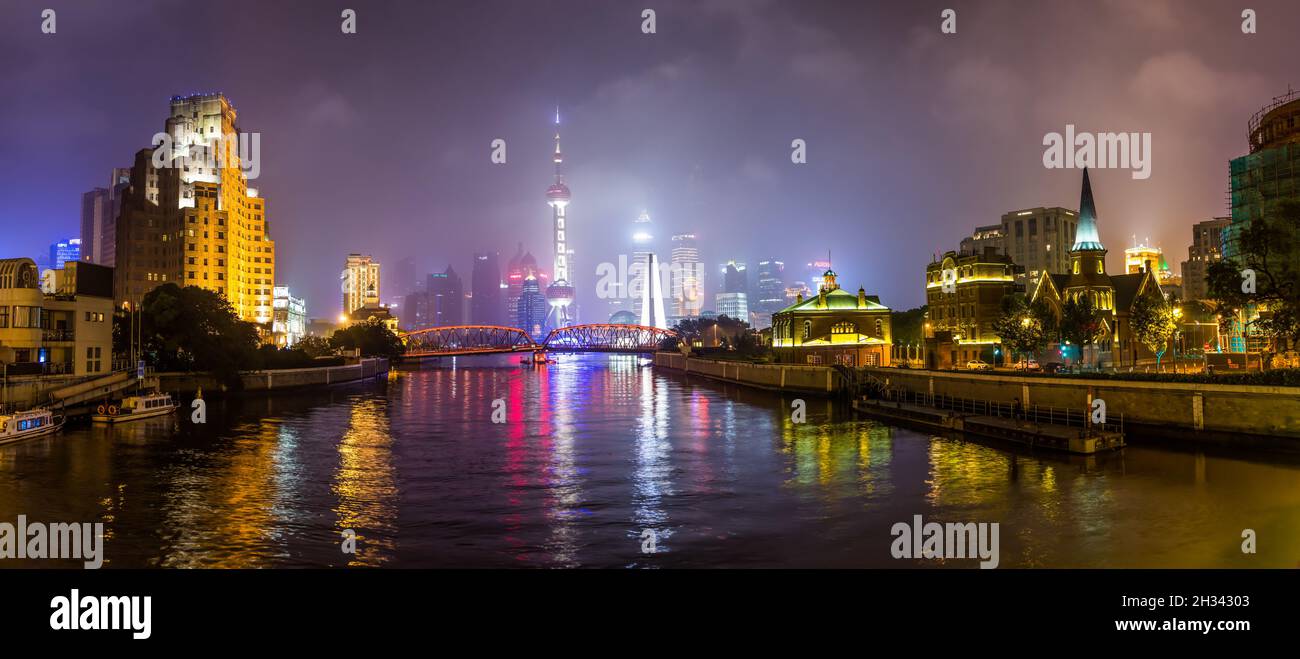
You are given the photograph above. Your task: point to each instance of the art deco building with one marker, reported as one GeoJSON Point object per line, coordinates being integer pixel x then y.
{"type": "Point", "coordinates": [194, 220]}
{"type": "Point", "coordinates": [359, 282]}
{"type": "Point", "coordinates": [833, 327]}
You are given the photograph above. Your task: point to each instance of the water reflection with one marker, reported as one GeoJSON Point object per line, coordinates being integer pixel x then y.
{"type": "Point", "coordinates": [595, 450]}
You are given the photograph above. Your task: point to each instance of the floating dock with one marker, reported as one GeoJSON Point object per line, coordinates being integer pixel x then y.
{"type": "Point", "coordinates": [1074, 439]}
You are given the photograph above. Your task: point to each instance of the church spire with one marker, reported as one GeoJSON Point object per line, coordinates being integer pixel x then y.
{"type": "Point", "coordinates": [1085, 234]}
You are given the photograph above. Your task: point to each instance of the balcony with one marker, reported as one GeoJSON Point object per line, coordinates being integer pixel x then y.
{"type": "Point", "coordinates": [58, 335]}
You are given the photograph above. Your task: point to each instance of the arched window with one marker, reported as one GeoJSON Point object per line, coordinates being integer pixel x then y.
{"type": "Point", "coordinates": [807, 329]}
{"type": "Point", "coordinates": [880, 332]}
{"type": "Point", "coordinates": [844, 327]}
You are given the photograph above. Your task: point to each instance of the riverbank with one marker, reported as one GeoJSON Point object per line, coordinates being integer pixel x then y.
{"type": "Point", "coordinates": [1229, 414]}
{"type": "Point", "coordinates": [820, 380]}
{"type": "Point", "coordinates": [275, 380]}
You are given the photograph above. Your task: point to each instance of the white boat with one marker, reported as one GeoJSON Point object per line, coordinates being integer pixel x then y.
{"type": "Point", "coordinates": [25, 425]}
{"type": "Point", "coordinates": [135, 407]}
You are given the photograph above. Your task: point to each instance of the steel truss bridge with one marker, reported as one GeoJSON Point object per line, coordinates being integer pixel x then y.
{"type": "Point", "coordinates": [458, 340]}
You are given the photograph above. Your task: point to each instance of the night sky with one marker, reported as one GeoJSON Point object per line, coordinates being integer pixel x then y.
{"type": "Point", "coordinates": [379, 142]}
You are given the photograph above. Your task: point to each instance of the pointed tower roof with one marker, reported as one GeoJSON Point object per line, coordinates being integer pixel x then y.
{"type": "Point", "coordinates": [1085, 235]}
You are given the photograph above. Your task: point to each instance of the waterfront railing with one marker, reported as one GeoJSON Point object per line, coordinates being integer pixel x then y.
{"type": "Point", "coordinates": [1061, 416]}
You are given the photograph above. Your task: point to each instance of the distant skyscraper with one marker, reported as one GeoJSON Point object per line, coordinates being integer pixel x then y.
{"type": "Point", "coordinates": [359, 282]}
{"type": "Point", "coordinates": [99, 211]}
{"type": "Point", "coordinates": [687, 271]}
{"type": "Point", "coordinates": [816, 270]}
{"type": "Point", "coordinates": [735, 278]}
{"type": "Point", "coordinates": [1206, 249]}
{"type": "Point", "coordinates": [63, 251]}
{"type": "Point", "coordinates": [560, 293]}
{"type": "Point", "coordinates": [522, 266]}
{"type": "Point", "coordinates": [532, 309]}
{"type": "Point", "coordinates": [771, 293]}
{"type": "Point", "coordinates": [487, 306]}
{"type": "Point", "coordinates": [446, 298]}
{"type": "Point", "coordinates": [733, 301]}
{"type": "Point", "coordinates": [647, 266]}
{"type": "Point", "coordinates": [404, 279]}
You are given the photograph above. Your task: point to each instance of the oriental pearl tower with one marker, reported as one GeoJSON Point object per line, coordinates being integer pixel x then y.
{"type": "Point", "coordinates": [560, 293]}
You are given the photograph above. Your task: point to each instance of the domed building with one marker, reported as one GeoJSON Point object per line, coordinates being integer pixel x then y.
{"type": "Point", "coordinates": [833, 327]}
{"type": "Point", "coordinates": [623, 317]}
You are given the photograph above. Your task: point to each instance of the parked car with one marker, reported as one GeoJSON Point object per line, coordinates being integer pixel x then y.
{"type": "Point", "coordinates": [1053, 367]}
{"type": "Point", "coordinates": [1029, 366]}
{"type": "Point", "coordinates": [978, 365]}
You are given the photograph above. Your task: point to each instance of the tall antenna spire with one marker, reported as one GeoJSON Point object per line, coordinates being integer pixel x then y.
{"type": "Point", "coordinates": [559, 157]}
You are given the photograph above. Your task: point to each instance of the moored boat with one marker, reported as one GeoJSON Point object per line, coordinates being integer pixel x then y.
{"type": "Point", "coordinates": [135, 407]}
{"type": "Point", "coordinates": [25, 425]}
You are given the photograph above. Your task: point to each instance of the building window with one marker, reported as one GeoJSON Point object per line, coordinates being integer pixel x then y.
{"type": "Point", "coordinates": [844, 327]}
{"type": "Point", "coordinates": [880, 328]}
{"type": "Point", "coordinates": [4, 316]}
{"type": "Point", "coordinates": [27, 317]}
{"type": "Point", "coordinates": [807, 329]}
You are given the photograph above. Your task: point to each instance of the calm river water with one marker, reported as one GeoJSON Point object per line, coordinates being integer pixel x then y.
{"type": "Point", "coordinates": [597, 453]}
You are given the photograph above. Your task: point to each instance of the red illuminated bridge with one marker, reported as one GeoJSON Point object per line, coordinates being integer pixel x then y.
{"type": "Point", "coordinates": [488, 339]}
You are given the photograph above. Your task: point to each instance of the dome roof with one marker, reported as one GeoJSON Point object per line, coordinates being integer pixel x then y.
{"type": "Point", "coordinates": [557, 191]}
{"type": "Point", "coordinates": [623, 317]}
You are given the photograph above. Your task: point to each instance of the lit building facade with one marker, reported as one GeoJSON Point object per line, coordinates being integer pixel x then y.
{"type": "Point", "coordinates": [1039, 239]}
{"type": "Point", "coordinates": [67, 330]}
{"type": "Point", "coordinates": [532, 309]}
{"type": "Point", "coordinates": [195, 221]}
{"type": "Point", "coordinates": [983, 238]}
{"type": "Point", "coordinates": [959, 321]}
{"type": "Point", "coordinates": [64, 251]}
{"type": "Point", "coordinates": [687, 277]}
{"type": "Point", "coordinates": [359, 282]}
{"type": "Point", "coordinates": [833, 327]}
{"type": "Point", "coordinates": [289, 321]}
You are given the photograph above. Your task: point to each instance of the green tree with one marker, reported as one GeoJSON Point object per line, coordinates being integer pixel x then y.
{"type": "Point", "coordinates": [1153, 323]}
{"type": "Point", "coordinates": [192, 329]}
{"type": "Point", "coordinates": [371, 337]}
{"type": "Point", "coordinates": [1020, 327]}
{"type": "Point", "coordinates": [1270, 248]}
{"type": "Point", "coordinates": [315, 346]}
{"type": "Point", "coordinates": [907, 326]}
{"type": "Point", "coordinates": [1081, 325]}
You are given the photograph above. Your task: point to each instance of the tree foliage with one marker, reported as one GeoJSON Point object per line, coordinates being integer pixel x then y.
{"type": "Point", "coordinates": [192, 329]}
{"type": "Point", "coordinates": [371, 337]}
{"type": "Point", "coordinates": [1022, 327]}
{"type": "Point", "coordinates": [1153, 323]}
{"type": "Point", "coordinates": [1081, 324]}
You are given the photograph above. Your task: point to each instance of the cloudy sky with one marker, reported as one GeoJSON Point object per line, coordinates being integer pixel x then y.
{"type": "Point", "coordinates": [378, 142]}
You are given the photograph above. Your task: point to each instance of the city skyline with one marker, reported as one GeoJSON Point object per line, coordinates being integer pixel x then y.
{"type": "Point", "coordinates": [651, 128]}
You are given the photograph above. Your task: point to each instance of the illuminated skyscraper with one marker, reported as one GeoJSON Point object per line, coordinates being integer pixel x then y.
{"type": "Point", "coordinates": [359, 282]}
{"type": "Point", "coordinates": [560, 293]}
{"type": "Point", "coordinates": [192, 219]}
{"type": "Point", "coordinates": [646, 264]}
{"type": "Point", "coordinates": [687, 272]}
